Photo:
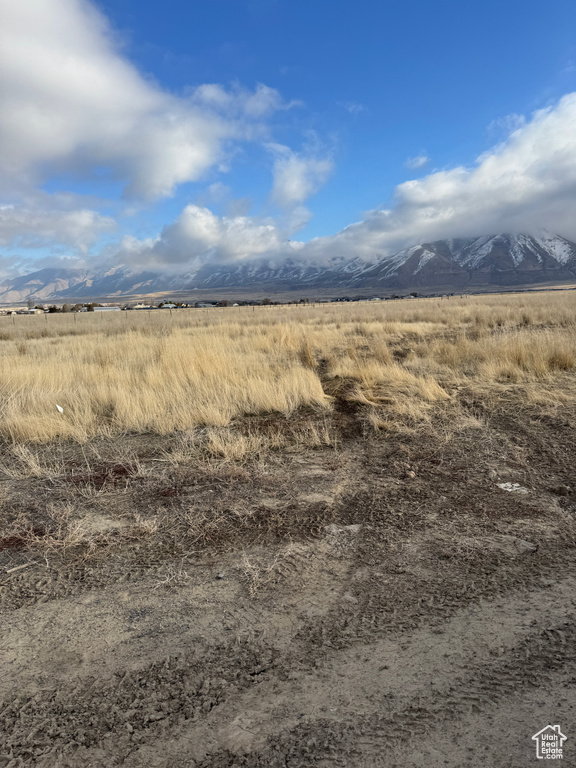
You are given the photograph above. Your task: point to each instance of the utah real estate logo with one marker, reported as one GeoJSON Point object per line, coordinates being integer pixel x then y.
{"type": "Point", "coordinates": [549, 743]}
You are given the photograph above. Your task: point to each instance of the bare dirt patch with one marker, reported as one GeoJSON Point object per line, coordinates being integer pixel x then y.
{"type": "Point", "coordinates": [379, 601]}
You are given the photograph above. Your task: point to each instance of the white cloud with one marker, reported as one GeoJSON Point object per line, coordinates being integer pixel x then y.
{"type": "Point", "coordinates": [297, 176]}
{"type": "Point", "coordinates": [69, 101]}
{"type": "Point", "coordinates": [238, 101]}
{"type": "Point", "coordinates": [199, 236]}
{"type": "Point", "coordinates": [524, 184]}
{"type": "Point", "coordinates": [417, 162]}
{"type": "Point", "coordinates": [22, 227]}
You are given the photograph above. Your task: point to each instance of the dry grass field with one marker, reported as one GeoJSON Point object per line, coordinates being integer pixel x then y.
{"type": "Point", "coordinates": [154, 372]}
{"type": "Point", "coordinates": [340, 535]}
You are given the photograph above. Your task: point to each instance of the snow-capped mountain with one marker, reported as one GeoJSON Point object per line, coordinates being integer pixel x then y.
{"type": "Point", "coordinates": [496, 260]}
{"type": "Point", "coordinates": [44, 284]}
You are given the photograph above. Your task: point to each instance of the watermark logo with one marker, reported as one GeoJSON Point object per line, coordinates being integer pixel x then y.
{"type": "Point", "coordinates": [549, 743]}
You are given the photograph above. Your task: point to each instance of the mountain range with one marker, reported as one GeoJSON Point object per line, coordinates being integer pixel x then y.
{"type": "Point", "coordinates": [502, 260]}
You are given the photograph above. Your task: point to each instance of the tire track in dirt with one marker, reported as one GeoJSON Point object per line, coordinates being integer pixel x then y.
{"type": "Point", "coordinates": [103, 633]}
{"type": "Point", "coordinates": [497, 735]}
{"type": "Point", "coordinates": [396, 672]}
{"type": "Point", "coordinates": [538, 671]}
{"type": "Point", "coordinates": [318, 653]}
{"type": "Point", "coordinates": [483, 653]}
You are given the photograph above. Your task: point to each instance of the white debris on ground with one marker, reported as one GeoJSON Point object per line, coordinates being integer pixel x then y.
{"type": "Point", "coordinates": [513, 487]}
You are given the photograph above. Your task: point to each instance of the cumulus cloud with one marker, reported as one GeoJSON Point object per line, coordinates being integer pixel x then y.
{"type": "Point", "coordinates": [297, 176]}
{"type": "Point", "coordinates": [22, 227]}
{"type": "Point", "coordinates": [69, 101]}
{"type": "Point", "coordinates": [526, 183]}
{"type": "Point", "coordinates": [199, 236]}
{"type": "Point", "coordinates": [417, 162]}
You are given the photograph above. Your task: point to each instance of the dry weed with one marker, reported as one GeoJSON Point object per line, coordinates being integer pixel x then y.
{"type": "Point", "coordinates": [140, 373]}
{"type": "Point", "coordinates": [260, 572]}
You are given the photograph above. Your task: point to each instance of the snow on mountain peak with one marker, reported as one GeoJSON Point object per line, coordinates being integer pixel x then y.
{"type": "Point", "coordinates": [556, 246]}
{"type": "Point", "coordinates": [501, 259]}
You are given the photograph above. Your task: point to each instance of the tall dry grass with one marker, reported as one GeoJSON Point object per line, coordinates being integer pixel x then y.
{"type": "Point", "coordinates": [155, 372]}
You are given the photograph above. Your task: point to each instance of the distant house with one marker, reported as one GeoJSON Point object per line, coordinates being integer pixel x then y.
{"type": "Point", "coordinates": [168, 306]}
{"type": "Point", "coordinates": [106, 309]}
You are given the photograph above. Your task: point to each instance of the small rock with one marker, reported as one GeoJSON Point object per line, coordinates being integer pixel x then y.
{"type": "Point", "coordinates": [129, 728]}
{"type": "Point", "coordinates": [561, 490]}
{"type": "Point", "coordinates": [411, 474]}
{"type": "Point", "coordinates": [492, 474]}
{"type": "Point", "coordinates": [219, 575]}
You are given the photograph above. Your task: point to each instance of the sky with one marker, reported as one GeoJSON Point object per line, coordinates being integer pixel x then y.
{"type": "Point", "coordinates": [167, 135]}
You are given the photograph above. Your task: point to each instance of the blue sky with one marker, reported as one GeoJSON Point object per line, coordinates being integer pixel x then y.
{"type": "Point", "coordinates": [164, 135]}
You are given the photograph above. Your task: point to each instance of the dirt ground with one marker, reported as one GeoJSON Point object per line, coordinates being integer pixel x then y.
{"type": "Point", "coordinates": [377, 602]}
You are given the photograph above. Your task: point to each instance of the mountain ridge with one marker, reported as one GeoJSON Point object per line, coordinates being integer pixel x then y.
{"type": "Point", "coordinates": [501, 260]}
